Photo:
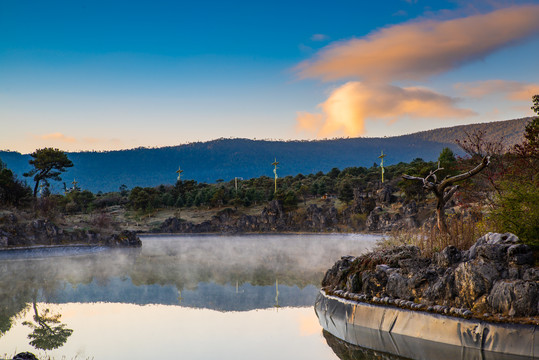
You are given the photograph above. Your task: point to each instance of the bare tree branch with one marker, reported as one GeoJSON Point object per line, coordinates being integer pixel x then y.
{"type": "Point", "coordinates": [453, 179]}
{"type": "Point", "coordinates": [439, 188]}
{"type": "Point", "coordinates": [450, 193]}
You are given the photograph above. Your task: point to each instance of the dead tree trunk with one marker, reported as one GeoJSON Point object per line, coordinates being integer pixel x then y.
{"type": "Point", "coordinates": [444, 190]}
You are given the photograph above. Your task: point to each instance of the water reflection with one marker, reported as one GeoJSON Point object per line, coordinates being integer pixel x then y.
{"type": "Point", "coordinates": [409, 348]}
{"type": "Point", "coordinates": [347, 351]}
{"type": "Point", "coordinates": [48, 332]}
{"type": "Point", "coordinates": [241, 273]}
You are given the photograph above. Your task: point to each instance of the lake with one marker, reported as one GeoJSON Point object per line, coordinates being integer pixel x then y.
{"type": "Point", "coordinates": [189, 297]}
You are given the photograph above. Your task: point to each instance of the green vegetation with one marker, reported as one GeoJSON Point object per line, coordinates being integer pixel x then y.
{"type": "Point", "coordinates": [503, 197]}
{"type": "Point", "coordinates": [229, 158]}
{"type": "Point", "coordinates": [12, 190]}
{"type": "Point", "coordinates": [516, 206]}
{"type": "Point", "coordinates": [292, 190]}
{"type": "Point", "coordinates": [48, 164]}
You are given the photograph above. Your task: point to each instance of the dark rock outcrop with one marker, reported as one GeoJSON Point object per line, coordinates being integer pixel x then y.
{"type": "Point", "coordinates": [496, 276]}
{"type": "Point", "coordinates": [126, 238]}
{"type": "Point", "coordinates": [273, 218]}
{"type": "Point", "coordinates": [25, 356]}
{"type": "Point", "coordinates": [385, 195]}
{"type": "Point", "coordinates": [382, 219]}
{"type": "Point", "coordinates": [515, 297]}
{"type": "Point", "coordinates": [45, 232]}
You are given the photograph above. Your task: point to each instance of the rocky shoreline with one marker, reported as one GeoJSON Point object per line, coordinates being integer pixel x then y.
{"type": "Point", "coordinates": [42, 232]}
{"type": "Point", "coordinates": [495, 280]}
{"type": "Point", "coordinates": [313, 218]}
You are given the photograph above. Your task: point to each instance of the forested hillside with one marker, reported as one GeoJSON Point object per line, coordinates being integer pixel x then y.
{"type": "Point", "coordinates": [511, 131]}
{"type": "Point", "coordinates": [228, 158]}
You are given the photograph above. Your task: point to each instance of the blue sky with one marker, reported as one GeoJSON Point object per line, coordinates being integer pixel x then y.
{"type": "Point", "coordinates": [112, 75]}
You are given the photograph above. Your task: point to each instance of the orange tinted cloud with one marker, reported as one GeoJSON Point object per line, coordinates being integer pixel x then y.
{"type": "Point", "coordinates": [351, 105]}
{"type": "Point", "coordinates": [57, 137]}
{"type": "Point", "coordinates": [73, 143]}
{"type": "Point", "coordinates": [417, 50]}
{"type": "Point", "coordinates": [512, 90]}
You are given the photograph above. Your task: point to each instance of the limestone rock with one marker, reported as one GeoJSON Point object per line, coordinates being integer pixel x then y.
{"type": "Point", "coordinates": [474, 279]}
{"type": "Point", "coordinates": [125, 239]}
{"type": "Point", "coordinates": [338, 272]}
{"type": "Point", "coordinates": [520, 254]}
{"type": "Point", "coordinates": [385, 195]}
{"type": "Point", "coordinates": [448, 256]}
{"type": "Point", "coordinates": [353, 283]}
{"type": "Point", "coordinates": [515, 297]}
{"type": "Point", "coordinates": [397, 286]}
{"type": "Point", "coordinates": [374, 282]}
{"type": "Point", "coordinates": [495, 276]}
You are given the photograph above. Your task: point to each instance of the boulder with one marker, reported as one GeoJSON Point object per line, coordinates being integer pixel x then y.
{"type": "Point", "coordinates": [25, 356]}
{"type": "Point", "coordinates": [397, 286]}
{"type": "Point", "coordinates": [520, 254]}
{"type": "Point", "coordinates": [374, 282]}
{"type": "Point", "coordinates": [385, 195]}
{"type": "Point", "coordinates": [448, 256]}
{"type": "Point", "coordinates": [126, 238]}
{"type": "Point", "coordinates": [515, 297]}
{"type": "Point", "coordinates": [338, 272]}
{"type": "Point", "coordinates": [410, 208]}
{"type": "Point", "coordinates": [353, 283]}
{"type": "Point", "coordinates": [493, 239]}
{"type": "Point", "coordinates": [495, 276]}
{"type": "Point", "coordinates": [443, 289]}
{"type": "Point", "coordinates": [474, 279]}
{"type": "Point", "coordinates": [531, 274]}
{"type": "Point", "coordinates": [373, 219]}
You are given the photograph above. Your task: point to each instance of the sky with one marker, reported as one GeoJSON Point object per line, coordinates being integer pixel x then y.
{"type": "Point", "coordinates": [107, 75]}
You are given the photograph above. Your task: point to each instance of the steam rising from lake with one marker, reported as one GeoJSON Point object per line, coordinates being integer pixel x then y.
{"type": "Point", "coordinates": [166, 265]}
{"type": "Point", "coordinates": [181, 276]}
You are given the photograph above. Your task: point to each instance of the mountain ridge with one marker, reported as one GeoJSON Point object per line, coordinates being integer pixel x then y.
{"type": "Point", "coordinates": [245, 158]}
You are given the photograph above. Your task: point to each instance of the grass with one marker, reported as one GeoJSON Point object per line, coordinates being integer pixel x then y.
{"type": "Point", "coordinates": [46, 357]}
{"type": "Point", "coordinates": [463, 233]}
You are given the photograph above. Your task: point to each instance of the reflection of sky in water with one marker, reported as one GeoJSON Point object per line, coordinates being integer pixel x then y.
{"type": "Point", "coordinates": [193, 297]}
{"type": "Point", "coordinates": [127, 331]}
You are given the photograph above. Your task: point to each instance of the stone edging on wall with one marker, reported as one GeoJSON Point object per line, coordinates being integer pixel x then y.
{"type": "Point", "coordinates": [423, 335]}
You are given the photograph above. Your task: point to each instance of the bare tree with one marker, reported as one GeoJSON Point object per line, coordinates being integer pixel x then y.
{"type": "Point", "coordinates": [444, 190]}
{"type": "Point", "coordinates": [476, 143]}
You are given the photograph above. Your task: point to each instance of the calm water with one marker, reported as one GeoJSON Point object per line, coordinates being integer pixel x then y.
{"type": "Point", "coordinates": [190, 297]}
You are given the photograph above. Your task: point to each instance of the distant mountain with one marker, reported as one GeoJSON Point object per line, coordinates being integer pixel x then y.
{"type": "Point", "coordinates": [207, 295]}
{"type": "Point", "coordinates": [510, 130]}
{"type": "Point", "coordinates": [229, 158]}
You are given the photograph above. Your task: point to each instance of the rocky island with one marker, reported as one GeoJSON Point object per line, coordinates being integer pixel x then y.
{"type": "Point", "coordinates": [485, 298]}
{"type": "Point", "coordinates": [496, 278]}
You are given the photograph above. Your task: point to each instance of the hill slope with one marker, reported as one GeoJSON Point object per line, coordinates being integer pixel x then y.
{"type": "Point", "coordinates": [510, 130]}
{"type": "Point", "coordinates": [229, 158]}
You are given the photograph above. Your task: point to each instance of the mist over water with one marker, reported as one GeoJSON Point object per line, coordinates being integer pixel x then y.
{"type": "Point", "coordinates": [181, 275]}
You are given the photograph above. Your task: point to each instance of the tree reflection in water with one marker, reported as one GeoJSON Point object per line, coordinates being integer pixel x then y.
{"type": "Point", "coordinates": [236, 273]}
{"type": "Point", "coordinates": [48, 332]}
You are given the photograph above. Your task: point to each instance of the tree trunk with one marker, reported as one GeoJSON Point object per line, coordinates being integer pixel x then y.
{"type": "Point", "coordinates": [35, 188]}
{"type": "Point", "coordinates": [440, 215]}
{"type": "Point", "coordinates": [439, 188]}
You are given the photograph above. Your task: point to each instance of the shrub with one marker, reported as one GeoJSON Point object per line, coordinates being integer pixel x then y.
{"type": "Point", "coordinates": [516, 210]}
